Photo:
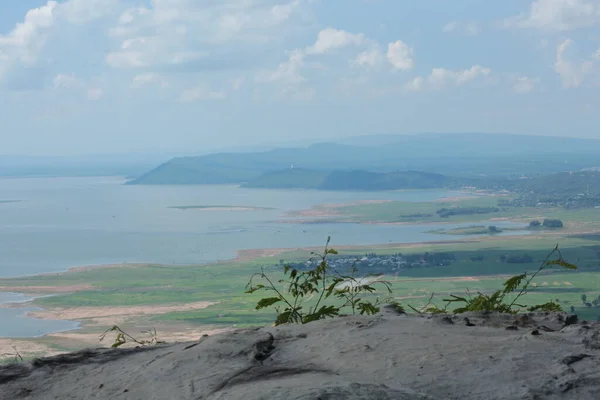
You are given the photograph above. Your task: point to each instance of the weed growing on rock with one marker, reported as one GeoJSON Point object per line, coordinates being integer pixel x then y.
{"type": "Point", "coordinates": [123, 337]}
{"type": "Point", "coordinates": [498, 301]}
{"type": "Point", "coordinates": [316, 287]}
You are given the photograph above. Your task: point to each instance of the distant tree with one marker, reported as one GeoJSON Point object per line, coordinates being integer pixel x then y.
{"type": "Point", "coordinates": [493, 229]}
{"type": "Point", "coordinates": [572, 310]}
{"type": "Point", "coordinates": [552, 223]}
{"type": "Point", "coordinates": [535, 224]}
{"type": "Point", "coordinates": [596, 302]}
{"type": "Point", "coordinates": [583, 298]}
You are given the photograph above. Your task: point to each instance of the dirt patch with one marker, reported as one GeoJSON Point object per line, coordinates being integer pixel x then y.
{"type": "Point", "coordinates": [78, 313]}
{"type": "Point", "coordinates": [105, 266]}
{"type": "Point", "coordinates": [455, 198]}
{"type": "Point", "coordinates": [216, 208]}
{"type": "Point", "coordinates": [247, 255]}
{"type": "Point", "coordinates": [25, 348]}
{"type": "Point", "coordinates": [46, 289]}
{"type": "Point", "coordinates": [163, 334]}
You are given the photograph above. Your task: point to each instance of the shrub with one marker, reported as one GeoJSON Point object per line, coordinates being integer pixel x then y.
{"type": "Point", "coordinates": [314, 288]}
{"type": "Point", "coordinates": [498, 301]}
{"type": "Point", "coordinates": [552, 223]}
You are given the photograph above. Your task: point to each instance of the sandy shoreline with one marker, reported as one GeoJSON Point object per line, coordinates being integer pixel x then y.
{"type": "Point", "coordinates": [106, 315]}
{"type": "Point", "coordinates": [219, 208]}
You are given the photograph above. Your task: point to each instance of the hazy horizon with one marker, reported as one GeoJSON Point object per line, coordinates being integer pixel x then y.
{"type": "Point", "coordinates": [105, 76]}
{"type": "Point", "coordinates": [356, 140]}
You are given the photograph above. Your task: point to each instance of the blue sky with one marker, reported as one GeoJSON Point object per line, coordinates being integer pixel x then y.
{"type": "Point", "coordinates": [89, 76]}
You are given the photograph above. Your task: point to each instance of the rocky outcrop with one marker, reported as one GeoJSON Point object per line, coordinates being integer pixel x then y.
{"type": "Point", "coordinates": [386, 356]}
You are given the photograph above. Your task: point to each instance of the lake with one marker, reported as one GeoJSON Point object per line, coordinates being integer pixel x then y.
{"type": "Point", "coordinates": [58, 223]}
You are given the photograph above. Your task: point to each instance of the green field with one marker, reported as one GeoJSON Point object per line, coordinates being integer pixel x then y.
{"type": "Point", "coordinates": [426, 212]}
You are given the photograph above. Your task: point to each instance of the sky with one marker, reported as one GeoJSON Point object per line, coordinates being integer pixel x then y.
{"type": "Point", "coordinates": [90, 76]}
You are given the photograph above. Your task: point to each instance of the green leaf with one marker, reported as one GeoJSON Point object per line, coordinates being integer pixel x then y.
{"type": "Point", "coordinates": [367, 308]}
{"type": "Point", "coordinates": [267, 302]}
{"type": "Point", "coordinates": [563, 264]}
{"type": "Point", "coordinates": [283, 318]}
{"type": "Point", "coordinates": [513, 283]}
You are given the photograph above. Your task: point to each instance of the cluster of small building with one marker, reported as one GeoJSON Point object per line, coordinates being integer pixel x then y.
{"type": "Point", "coordinates": [373, 263]}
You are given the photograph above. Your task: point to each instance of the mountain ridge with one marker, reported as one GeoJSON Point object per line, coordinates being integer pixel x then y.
{"type": "Point", "coordinates": [458, 155]}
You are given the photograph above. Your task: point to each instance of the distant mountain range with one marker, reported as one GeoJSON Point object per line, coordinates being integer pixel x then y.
{"type": "Point", "coordinates": [384, 162]}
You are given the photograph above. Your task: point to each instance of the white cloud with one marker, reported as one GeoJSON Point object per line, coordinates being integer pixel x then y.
{"type": "Point", "coordinates": [400, 55]}
{"type": "Point", "coordinates": [76, 85]}
{"type": "Point", "coordinates": [558, 15]}
{"type": "Point", "coordinates": [162, 35]}
{"type": "Point", "coordinates": [330, 39]}
{"type": "Point", "coordinates": [237, 83]}
{"type": "Point", "coordinates": [94, 93]}
{"type": "Point", "coordinates": [524, 84]}
{"type": "Point", "coordinates": [450, 27]}
{"type": "Point", "coordinates": [441, 77]}
{"type": "Point", "coordinates": [22, 44]}
{"type": "Point", "coordinates": [416, 84]}
{"type": "Point", "coordinates": [572, 73]}
{"type": "Point", "coordinates": [371, 58]}
{"type": "Point", "coordinates": [148, 79]}
{"type": "Point", "coordinates": [63, 81]}
{"type": "Point", "coordinates": [344, 45]}
{"type": "Point", "coordinates": [174, 33]}
{"type": "Point", "coordinates": [469, 29]}
{"type": "Point", "coordinates": [200, 93]}
{"type": "Point", "coordinates": [287, 71]}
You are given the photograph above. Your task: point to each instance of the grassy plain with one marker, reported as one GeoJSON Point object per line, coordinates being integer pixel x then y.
{"type": "Point", "coordinates": [426, 212]}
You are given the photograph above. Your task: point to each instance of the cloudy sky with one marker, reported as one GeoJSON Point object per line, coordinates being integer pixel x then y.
{"type": "Point", "coordinates": [89, 76]}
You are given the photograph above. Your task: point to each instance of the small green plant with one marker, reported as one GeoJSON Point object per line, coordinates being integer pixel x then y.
{"type": "Point", "coordinates": [498, 301]}
{"type": "Point", "coordinates": [123, 337]}
{"type": "Point", "coordinates": [301, 296]}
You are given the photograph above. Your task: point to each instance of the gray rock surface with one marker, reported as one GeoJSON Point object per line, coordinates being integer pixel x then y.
{"type": "Point", "coordinates": [381, 357]}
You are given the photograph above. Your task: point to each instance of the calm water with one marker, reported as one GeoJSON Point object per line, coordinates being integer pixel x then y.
{"type": "Point", "coordinates": [16, 324]}
{"type": "Point", "coordinates": [65, 222]}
